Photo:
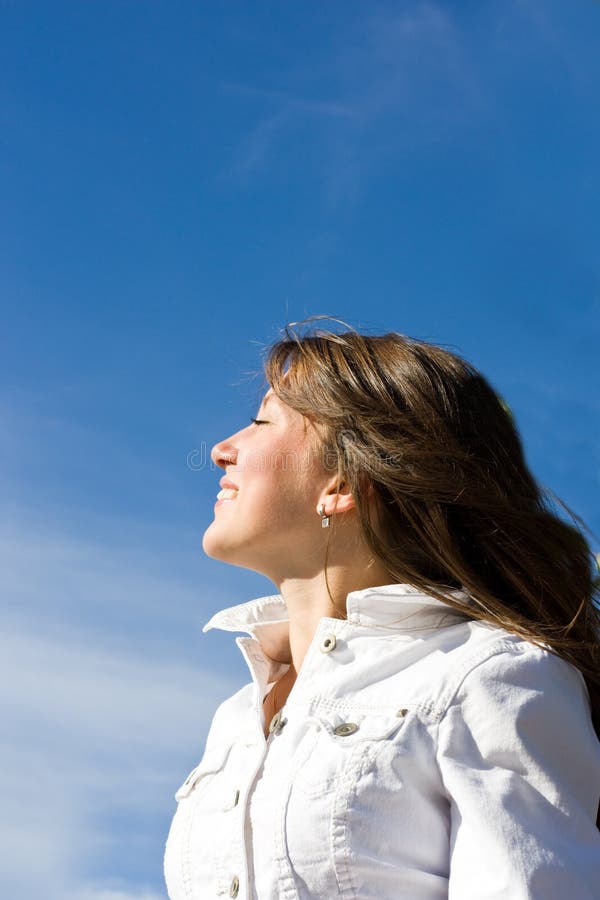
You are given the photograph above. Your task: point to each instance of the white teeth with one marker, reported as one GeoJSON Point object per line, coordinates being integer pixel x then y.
{"type": "Point", "coordinates": [227, 494]}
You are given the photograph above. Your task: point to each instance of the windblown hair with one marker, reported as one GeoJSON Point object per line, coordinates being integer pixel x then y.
{"type": "Point", "coordinates": [457, 506]}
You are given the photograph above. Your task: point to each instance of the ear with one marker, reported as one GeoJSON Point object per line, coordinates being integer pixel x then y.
{"type": "Point", "coordinates": [336, 497]}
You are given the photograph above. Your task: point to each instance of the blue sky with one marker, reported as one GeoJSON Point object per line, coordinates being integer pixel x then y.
{"type": "Point", "coordinates": [178, 182]}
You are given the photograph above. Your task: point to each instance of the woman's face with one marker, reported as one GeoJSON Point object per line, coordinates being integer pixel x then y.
{"type": "Point", "coordinates": [268, 520]}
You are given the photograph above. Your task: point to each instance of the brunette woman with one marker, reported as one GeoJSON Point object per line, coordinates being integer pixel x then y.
{"type": "Point", "coordinates": [423, 713]}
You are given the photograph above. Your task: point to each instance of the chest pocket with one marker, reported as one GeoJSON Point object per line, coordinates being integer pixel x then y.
{"type": "Point", "coordinates": [336, 746]}
{"type": "Point", "coordinates": [204, 774]}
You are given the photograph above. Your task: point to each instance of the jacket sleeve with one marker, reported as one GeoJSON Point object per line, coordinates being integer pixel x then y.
{"type": "Point", "coordinates": [520, 763]}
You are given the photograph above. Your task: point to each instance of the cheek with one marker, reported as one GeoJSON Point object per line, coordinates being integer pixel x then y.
{"type": "Point", "coordinates": [278, 495]}
{"type": "Point", "coordinates": [280, 498]}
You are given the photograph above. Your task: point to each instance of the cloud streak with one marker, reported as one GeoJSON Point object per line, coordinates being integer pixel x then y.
{"type": "Point", "coordinates": [90, 734]}
{"type": "Point", "coordinates": [103, 712]}
{"type": "Point", "coordinates": [391, 64]}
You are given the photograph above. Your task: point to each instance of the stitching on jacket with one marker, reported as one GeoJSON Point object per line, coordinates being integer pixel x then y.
{"type": "Point", "coordinates": [388, 709]}
{"type": "Point", "coordinates": [435, 710]}
{"type": "Point", "coordinates": [503, 645]}
{"type": "Point", "coordinates": [339, 825]}
{"type": "Point", "coordinates": [286, 881]}
{"type": "Point", "coordinates": [427, 710]}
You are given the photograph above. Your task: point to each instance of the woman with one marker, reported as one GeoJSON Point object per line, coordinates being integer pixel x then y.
{"type": "Point", "coordinates": [422, 717]}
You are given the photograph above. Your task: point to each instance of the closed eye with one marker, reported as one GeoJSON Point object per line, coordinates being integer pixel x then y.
{"type": "Point", "coordinates": [259, 422]}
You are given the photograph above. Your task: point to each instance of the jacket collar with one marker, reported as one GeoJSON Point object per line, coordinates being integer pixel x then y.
{"type": "Point", "coordinates": [400, 608]}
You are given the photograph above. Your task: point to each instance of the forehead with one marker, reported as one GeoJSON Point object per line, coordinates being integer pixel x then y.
{"type": "Point", "coordinates": [271, 399]}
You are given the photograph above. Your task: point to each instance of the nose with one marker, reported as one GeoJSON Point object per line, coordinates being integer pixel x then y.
{"type": "Point", "coordinates": [223, 454]}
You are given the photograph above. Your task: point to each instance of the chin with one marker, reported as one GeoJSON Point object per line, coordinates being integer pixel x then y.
{"type": "Point", "coordinates": [218, 549]}
{"type": "Point", "coordinates": [212, 546]}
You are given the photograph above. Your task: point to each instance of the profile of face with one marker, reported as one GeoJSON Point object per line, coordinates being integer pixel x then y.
{"type": "Point", "coordinates": [275, 479]}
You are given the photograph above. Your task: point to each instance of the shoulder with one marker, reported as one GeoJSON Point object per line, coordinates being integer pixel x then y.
{"type": "Point", "coordinates": [509, 685]}
{"type": "Point", "coordinates": [476, 659]}
{"type": "Point", "coordinates": [496, 662]}
{"type": "Point", "coordinates": [521, 710]}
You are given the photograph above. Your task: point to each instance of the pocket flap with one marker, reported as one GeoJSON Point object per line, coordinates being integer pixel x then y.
{"type": "Point", "coordinates": [213, 761]}
{"type": "Point", "coordinates": [352, 727]}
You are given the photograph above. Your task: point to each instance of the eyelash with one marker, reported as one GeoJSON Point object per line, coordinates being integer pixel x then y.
{"type": "Point", "coordinates": [258, 422]}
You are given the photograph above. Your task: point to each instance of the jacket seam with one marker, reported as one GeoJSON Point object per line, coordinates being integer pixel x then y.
{"type": "Point", "coordinates": [503, 645]}
{"type": "Point", "coordinates": [498, 647]}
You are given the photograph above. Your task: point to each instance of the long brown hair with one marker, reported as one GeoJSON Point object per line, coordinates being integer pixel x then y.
{"type": "Point", "coordinates": [457, 505]}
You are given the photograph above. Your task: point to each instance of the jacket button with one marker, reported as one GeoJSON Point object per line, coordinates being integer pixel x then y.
{"type": "Point", "coordinates": [277, 723]}
{"type": "Point", "coordinates": [345, 728]}
{"type": "Point", "coordinates": [234, 887]}
{"type": "Point", "coordinates": [328, 643]}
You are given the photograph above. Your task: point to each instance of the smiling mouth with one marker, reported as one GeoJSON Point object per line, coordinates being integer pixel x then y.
{"type": "Point", "coordinates": [227, 494]}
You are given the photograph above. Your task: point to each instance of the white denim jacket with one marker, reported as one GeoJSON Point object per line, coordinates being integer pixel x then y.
{"type": "Point", "coordinates": [421, 755]}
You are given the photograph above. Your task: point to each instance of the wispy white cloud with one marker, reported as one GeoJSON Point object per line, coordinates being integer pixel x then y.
{"type": "Point", "coordinates": [390, 63]}
{"type": "Point", "coordinates": [317, 107]}
{"type": "Point", "coordinates": [256, 147]}
{"type": "Point", "coordinates": [110, 894]}
{"type": "Point", "coordinates": [391, 80]}
{"type": "Point", "coordinates": [73, 502]}
{"type": "Point", "coordinates": [285, 109]}
{"type": "Point", "coordinates": [404, 54]}
{"type": "Point", "coordinates": [91, 737]}
{"type": "Point", "coordinates": [91, 580]}
{"type": "Point", "coordinates": [104, 707]}
{"type": "Point", "coordinates": [536, 25]}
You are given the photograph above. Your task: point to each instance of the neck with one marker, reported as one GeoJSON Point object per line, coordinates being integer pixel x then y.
{"type": "Point", "coordinates": [308, 600]}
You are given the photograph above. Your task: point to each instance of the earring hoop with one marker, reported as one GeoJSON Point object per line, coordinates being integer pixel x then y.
{"type": "Point", "coordinates": [324, 518]}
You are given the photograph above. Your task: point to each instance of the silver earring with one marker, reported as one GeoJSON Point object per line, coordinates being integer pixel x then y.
{"type": "Point", "coordinates": [324, 518]}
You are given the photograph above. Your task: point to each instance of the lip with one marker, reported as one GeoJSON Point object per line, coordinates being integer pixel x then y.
{"type": "Point", "coordinates": [226, 483]}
